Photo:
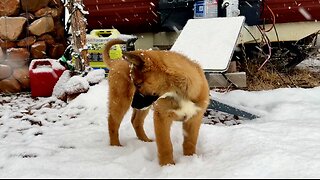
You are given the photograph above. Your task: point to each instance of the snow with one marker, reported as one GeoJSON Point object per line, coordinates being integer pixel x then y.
{"type": "Point", "coordinates": [56, 65]}
{"type": "Point", "coordinates": [52, 64]}
{"type": "Point", "coordinates": [44, 69]}
{"type": "Point", "coordinates": [48, 138]}
{"type": "Point", "coordinates": [312, 64]}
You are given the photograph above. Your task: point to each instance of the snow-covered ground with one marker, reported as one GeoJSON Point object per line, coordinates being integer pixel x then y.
{"type": "Point", "coordinates": [48, 138]}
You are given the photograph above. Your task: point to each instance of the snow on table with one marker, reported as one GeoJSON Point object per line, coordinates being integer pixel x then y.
{"type": "Point", "coordinates": [210, 41]}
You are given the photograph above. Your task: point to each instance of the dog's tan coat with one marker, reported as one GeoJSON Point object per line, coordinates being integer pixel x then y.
{"type": "Point", "coordinates": [179, 82]}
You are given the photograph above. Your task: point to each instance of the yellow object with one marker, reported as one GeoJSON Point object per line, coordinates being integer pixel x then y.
{"type": "Point", "coordinates": [96, 40]}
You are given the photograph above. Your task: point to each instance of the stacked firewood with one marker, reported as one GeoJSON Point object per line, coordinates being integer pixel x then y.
{"type": "Point", "coordinates": [29, 29]}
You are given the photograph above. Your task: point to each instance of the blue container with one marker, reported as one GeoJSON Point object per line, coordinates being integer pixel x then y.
{"type": "Point", "coordinates": [199, 9]}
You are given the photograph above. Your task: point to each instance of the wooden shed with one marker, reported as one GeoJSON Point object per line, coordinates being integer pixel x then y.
{"type": "Point", "coordinates": [290, 10]}
{"type": "Point", "coordinates": [127, 16]}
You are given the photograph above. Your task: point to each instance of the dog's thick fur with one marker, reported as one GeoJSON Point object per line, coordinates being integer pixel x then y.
{"type": "Point", "coordinates": [180, 85]}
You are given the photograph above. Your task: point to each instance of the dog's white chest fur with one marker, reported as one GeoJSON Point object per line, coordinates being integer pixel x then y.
{"type": "Point", "coordinates": [187, 108]}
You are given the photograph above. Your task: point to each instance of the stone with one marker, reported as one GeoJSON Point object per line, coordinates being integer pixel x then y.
{"type": "Point", "coordinates": [41, 26]}
{"type": "Point", "coordinates": [11, 27]}
{"type": "Point", "coordinates": [9, 7]}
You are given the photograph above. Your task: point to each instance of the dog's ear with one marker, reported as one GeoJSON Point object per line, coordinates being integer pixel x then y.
{"type": "Point", "coordinates": [134, 58]}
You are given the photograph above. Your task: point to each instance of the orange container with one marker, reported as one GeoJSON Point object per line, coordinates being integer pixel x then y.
{"type": "Point", "coordinates": [44, 74]}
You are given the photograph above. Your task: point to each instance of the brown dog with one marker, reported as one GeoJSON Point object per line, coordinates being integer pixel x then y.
{"type": "Point", "coordinates": [176, 83]}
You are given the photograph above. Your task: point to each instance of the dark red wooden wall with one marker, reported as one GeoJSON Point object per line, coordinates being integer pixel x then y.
{"type": "Point", "coordinates": [291, 10]}
{"type": "Point", "coordinates": [128, 16]}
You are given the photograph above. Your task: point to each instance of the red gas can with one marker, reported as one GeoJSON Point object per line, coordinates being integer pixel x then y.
{"type": "Point", "coordinates": [44, 74]}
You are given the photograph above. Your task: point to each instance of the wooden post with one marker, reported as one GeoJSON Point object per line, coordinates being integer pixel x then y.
{"type": "Point", "coordinates": [78, 30]}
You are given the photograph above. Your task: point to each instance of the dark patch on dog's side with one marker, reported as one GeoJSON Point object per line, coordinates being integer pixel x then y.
{"type": "Point", "coordinates": [141, 101]}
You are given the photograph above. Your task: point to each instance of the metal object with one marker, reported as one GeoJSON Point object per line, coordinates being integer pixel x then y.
{"type": "Point", "coordinates": [219, 106]}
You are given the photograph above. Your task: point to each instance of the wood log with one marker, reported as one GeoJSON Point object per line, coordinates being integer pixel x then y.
{"type": "Point", "coordinates": [17, 57]}
{"type": "Point", "coordinates": [29, 16]}
{"type": "Point", "coordinates": [6, 44]}
{"type": "Point", "coordinates": [2, 55]}
{"type": "Point", "coordinates": [11, 27]}
{"type": "Point", "coordinates": [18, 53]}
{"type": "Point", "coordinates": [10, 85]}
{"type": "Point", "coordinates": [47, 11]}
{"type": "Point", "coordinates": [56, 50]}
{"type": "Point", "coordinates": [59, 32]}
{"type": "Point", "coordinates": [33, 5]}
{"type": "Point", "coordinates": [9, 7]}
{"type": "Point", "coordinates": [28, 41]}
{"type": "Point", "coordinates": [47, 38]}
{"type": "Point", "coordinates": [39, 50]}
{"type": "Point", "coordinates": [5, 71]}
{"type": "Point", "coordinates": [57, 4]}
{"type": "Point", "coordinates": [41, 26]}
{"type": "Point", "coordinates": [22, 76]}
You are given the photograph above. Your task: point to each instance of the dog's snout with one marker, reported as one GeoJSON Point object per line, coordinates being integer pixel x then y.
{"type": "Point", "coordinates": [138, 85]}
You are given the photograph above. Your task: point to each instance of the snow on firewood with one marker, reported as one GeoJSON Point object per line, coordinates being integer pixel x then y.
{"type": "Point", "coordinates": [95, 76]}
{"type": "Point", "coordinates": [59, 89]}
{"type": "Point", "coordinates": [77, 84]}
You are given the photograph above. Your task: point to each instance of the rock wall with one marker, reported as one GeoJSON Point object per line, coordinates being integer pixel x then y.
{"type": "Point", "coordinates": [29, 29]}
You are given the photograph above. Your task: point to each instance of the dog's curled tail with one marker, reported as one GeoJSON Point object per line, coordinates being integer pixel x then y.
{"type": "Point", "coordinates": [106, 57]}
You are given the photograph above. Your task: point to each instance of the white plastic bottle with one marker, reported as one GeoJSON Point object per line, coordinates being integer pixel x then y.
{"type": "Point", "coordinates": [211, 8]}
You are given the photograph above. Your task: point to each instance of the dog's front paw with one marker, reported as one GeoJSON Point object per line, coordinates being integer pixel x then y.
{"type": "Point", "coordinates": [115, 143]}
{"type": "Point", "coordinates": [166, 162]}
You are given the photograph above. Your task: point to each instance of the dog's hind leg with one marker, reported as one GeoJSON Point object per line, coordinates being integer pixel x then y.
{"type": "Point", "coordinates": [190, 132]}
{"type": "Point", "coordinates": [119, 103]}
{"type": "Point", "coordinates": [137, 120]}
{"type": "Point", "coordinates": [114, 121]}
